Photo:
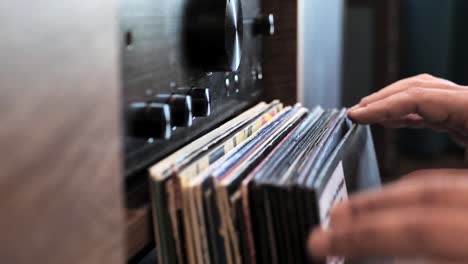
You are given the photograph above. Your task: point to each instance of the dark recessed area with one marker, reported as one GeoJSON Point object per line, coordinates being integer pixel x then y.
{"type": "Point", "coordinates": [128, 39]}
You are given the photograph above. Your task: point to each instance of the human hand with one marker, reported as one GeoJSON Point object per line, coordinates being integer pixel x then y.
{"type": "Point", "coordinates": [423, 215]}
{"type": "Point", "coordinates": [418, 102]}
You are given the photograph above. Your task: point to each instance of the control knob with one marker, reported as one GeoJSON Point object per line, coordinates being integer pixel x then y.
{"type": "Point", "coordinates": [149, 120]}
{"type": "Point", "coordinates": [201, 100]}
{"type": "Point", "coordinates": [180, 108]}
{"type": "Point", "coordinates": [264, 25]}
{"type": "Point", "coordinates": [214, 34]}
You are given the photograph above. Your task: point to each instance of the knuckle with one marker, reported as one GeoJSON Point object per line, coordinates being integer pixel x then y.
{"type": "Point", "coordinates": [425, 76]}
{"type": "Point", "coordinates": [415, 91]}
{"type": "Point", "coordinates": [354, 208]}
{"type": "Point", "coordinates": [366, 100]}
{"type": "Point", "coordinates": [367, 205]}
{"type": "Point", "coordinates": [415, 82]}
{"type": "Point", "coordinates": [429, 194]}
{"type": "Point", "coordinates": [363, 101]}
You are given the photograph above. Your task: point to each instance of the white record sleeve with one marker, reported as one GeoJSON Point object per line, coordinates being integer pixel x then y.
{"type": "Point", "coordinates": [334, 192]}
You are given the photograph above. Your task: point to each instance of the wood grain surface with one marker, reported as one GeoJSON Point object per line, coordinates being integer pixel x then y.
{"type": "Point", "coordinates": [139, 231]}
{"type": "Point", "coordinates": [60, 182]}
{"type": "Point", "coordinates": [280, 52]}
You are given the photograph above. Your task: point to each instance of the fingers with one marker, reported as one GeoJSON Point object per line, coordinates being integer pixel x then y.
{"type": "Point", "coordinates": [435, 175]}
{"type": "Point", "coordinates": [414, 121]}
{"type": "Point", "coordinates": [423, 80]}
{"type": "Point", "coordinates": [400, 219]}
{"type": "Point", "coordinates": [424, 189]}
{"type": "Point", "coordinates": [409, 232]}
{"type": "Point", "coordinates": [433, 105]}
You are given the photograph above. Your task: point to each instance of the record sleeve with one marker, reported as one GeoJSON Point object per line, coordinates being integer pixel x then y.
{"type": "Point", "coordinates": [268, 217]}
{"type": "Point", "coordinates": [281, 212]}
{"type": "Point", "coordinates": [190, 171]}
{"type": "Point", "coordinates": [239, 147]}
{"type": "Point", "coordinates": [353, 159]}
{"type": "Point", "coordinates": [251, 191]}
{"type": "Point", "coordinates": [254, 229]}
{"type": "Point", "coordinates": [232, 175]}
{"type": "Point", "coordinates": [161, 172]}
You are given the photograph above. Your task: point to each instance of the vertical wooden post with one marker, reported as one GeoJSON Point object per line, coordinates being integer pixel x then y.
{"type": "Point", "coordinates": [60, 175]}
{"type": "Point", "coordinates": [280, 52]}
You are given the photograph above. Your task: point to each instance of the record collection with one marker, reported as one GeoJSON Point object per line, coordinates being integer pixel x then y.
{"type": "Point", "coordinates": [251, 190]}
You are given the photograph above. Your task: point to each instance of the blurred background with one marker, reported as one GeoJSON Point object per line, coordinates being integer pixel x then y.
{"type": "Point", "coordinates": [387, 40]}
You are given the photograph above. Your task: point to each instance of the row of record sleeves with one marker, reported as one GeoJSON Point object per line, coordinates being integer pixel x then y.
{"type": "Point", "coordinates": [251, 190]}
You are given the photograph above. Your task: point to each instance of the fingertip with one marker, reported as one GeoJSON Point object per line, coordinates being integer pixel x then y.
{"type": "Point", "coordinates": [351, 110]}
{"type": "Point", "coordinates": [318, 243]}
{"type": "Point", "coordinates": [356, 113]}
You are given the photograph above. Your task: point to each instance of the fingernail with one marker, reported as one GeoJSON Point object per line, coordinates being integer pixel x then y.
{"type": "Point", "coordinates": [350, 113]}
{"type": "Point", "coordinates": [318, 243]}
{"type": "Point", "coordinates": [358, 111]}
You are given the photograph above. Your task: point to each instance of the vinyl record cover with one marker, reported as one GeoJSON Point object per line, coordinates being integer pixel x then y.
{"type": "Point", "coordinates": [251, 190]}
{"type": "Point", "coordinates": [161, 172]}
{"type": "Point", "coordinates": [231, 162]}
{"type": "Point", "coordinates": [230, 184]}
{"type": "Point", "coordinates": [190, 169]}
{"type": "Point", "coordinates": [255, 226]}
{"type": "Point", "coordinates": [352, 160]}
{"type": "Point", "coordinates": [198, 215]}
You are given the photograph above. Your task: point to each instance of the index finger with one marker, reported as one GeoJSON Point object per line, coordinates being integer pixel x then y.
{"type": "Point", "coordinates": [423, 80]}
{"type": "Point", "coordinates": [434, 105]}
